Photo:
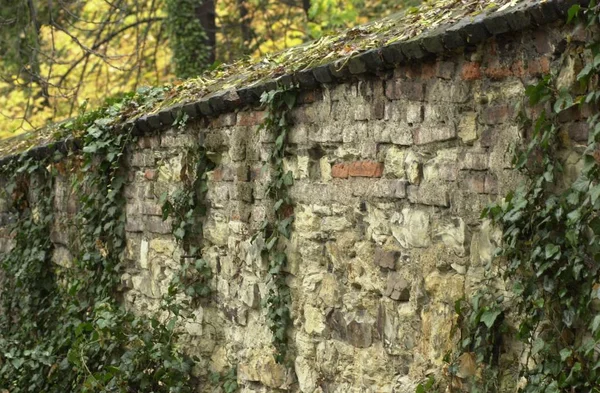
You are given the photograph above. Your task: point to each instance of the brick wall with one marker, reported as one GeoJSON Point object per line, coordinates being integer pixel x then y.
{"type": "Point", "coordinates": [391, 174]}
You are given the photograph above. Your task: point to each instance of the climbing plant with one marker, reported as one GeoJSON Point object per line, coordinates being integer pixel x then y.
{"type": "Point", "coordinates": [550, 252]}
{"type": "Point", "coordinates": [186, 206]}
{"type": "Point", "coordinates": [279, 103]}
{"type": "Point", "coordinates": [65, 329]}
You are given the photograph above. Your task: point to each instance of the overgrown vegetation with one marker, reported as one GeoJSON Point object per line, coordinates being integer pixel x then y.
{"type": "Point", "coordinates": [187, 208]}
{"type": "Point", "coordinates": [274, 232]}
{"type": "Point", "coordinates": [550, 253]}
{"type": "Point", "coordinates": [63, 329]}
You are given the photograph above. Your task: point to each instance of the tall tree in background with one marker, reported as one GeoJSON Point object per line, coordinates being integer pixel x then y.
{"type": "Point", "coordinates": [192, 31]}
{"type": "Point", "coordinates": [54, 54]}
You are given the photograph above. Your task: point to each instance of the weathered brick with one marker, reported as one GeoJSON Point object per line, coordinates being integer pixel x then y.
{"type": "Point", "coordinates": [365, 169]}
{"type": "Point", "coordinates": [470, 71]}
{"type": "Point", "coordinates": [474, 182]}
{"type": "Point", "coordinates": [151, 174]}
{"type": "Point", "coordinates": [340, 170]}
{"type": "Point", "coordinates": [487, 138]}
{"type": "Point", "coordinates": [491, 184]}
{"type": "Point", "coordinates": [224, 120]}
{"type": "Point", "coordinates": [449, 91]}
{"type": "Point", "coordinates": [538, 66]}
{"type": "Point", "coordinates": [497, 71]}
{"type": "Point", "coordinates": [378, 108]}
{"type": "Point", "coordinates": [402, 89]}
{"type": "Point", "coordinates": [309, 96]}
{"type": "Point", "coordinates": [445, 69]}
{"type": "Point", "coordinates": [414, 113]}
{"type": "Point", "coordinates": [431, 194]}
{"type": "Point", "coordinates": [475, 161]}
{"type": "Point", "coordinates": [251, 118]}
{"type": "Point", "coordinates": [428, 71]}
{"type": "Point", "coordinates": [497, 114]}
{"type": "Point", "coordinates": [174, 139]}
{"type": "Point", "coordinates": [428, 133]}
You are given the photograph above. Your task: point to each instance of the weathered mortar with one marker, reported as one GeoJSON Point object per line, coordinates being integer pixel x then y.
{"type": "Point", "coordinates": [391, 174]}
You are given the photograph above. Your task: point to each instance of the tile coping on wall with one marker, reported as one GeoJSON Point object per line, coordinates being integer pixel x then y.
{"type": "Point", "coordinates": [467, 31]}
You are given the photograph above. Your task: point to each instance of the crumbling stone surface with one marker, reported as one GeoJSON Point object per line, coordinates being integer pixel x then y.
{"type": "Point", "coordinates": [391, 174]}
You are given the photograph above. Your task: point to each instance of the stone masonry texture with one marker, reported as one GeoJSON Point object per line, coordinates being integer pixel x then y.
{"type": "Point", "coordinates": [391, 174]}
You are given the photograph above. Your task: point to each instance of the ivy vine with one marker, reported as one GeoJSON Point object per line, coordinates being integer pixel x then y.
{"type": "Point", "coordinates": [187, 208]}
{"type": "Point", "coordinates": [279, 103]}
{"type": "Point", "coordinates": [550, 253]}
{"type": "Point", "coordinates": [65, 330]}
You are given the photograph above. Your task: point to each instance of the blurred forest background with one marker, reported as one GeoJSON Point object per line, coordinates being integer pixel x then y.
{"type": "Point", "coordinates": [56, 55]}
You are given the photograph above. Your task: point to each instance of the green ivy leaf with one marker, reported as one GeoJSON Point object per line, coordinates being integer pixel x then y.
{"type": "Point", "coordinates": [489, 317]}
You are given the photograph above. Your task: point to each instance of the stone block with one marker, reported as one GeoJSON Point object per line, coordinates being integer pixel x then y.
{"type": "Point", "coordinates": [474, 182]}
{"type": "Point", "coordinates": [429, 194]}
{"type": "Point", "coordinates": [411, 228]}
{"type": "Point", "coordinates": [414, 113]}
{"type": "Point", "coordinates": [397, 288]}
{"type": "Point", "coordinates": [475, 161]}
{"type": "Point", "coordinates": [173, 139]}
{"type": "Point", "coordinates": [403, 89]}
{"type": "Point", "coordinates": [497, 114]}
{"type": "Point", "coordinates": [389, 188]}
{"type": "Point", "coordinates": [428, 133]}
{"type": "Point", "coordinates": [143, 158]}
{"type": "Point", "coordinates": [251, 118]}
{"type": "Point", "coordinates": [386, 258]}
{"type": "Point", "coordinates": [394, 163]}
{"type": "Point", "coordinates": [467, 127]}
{"type": "Point", "coordinates": [449, 91]}
{"type": "Point", "coordinates": [445, 69]}
{"type": "Point", "coordinates": [154, 224]}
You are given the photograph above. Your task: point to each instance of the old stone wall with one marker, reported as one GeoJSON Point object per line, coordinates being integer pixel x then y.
{"type": "Point", "coordinates": [391, 174]}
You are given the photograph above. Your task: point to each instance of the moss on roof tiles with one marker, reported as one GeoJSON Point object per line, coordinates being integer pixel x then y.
{"type": "Point", "coordinates": [403, 26]}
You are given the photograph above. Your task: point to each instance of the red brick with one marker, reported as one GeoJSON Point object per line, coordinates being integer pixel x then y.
{"type": "Point", "coordinates": [365, 169]}
{"type": "Point", "coordinates": [151, 174]}
{"type": "Point", "coordinates": [251, 118]}
{"type": "Point", "coordinates": [308, 97]}
{"type": "Point", "coordinates": [470, 71]}
{"type": "Point", "coordinates": [538, 66]}
{"type": "Point", "coordinates": [428, 71]}
{"type": "Point", "coordinates": [518, 69]}
{"type": "Point", "coordinates": [340, 170]}
{"type": "Point", "coordinates": [498, 72]}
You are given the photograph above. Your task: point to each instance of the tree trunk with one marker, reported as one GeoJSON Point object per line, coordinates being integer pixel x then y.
{"type": "Point", "coordinates": [206, 14]}
{"type": "Point", "coordinates": [244, 24]}
{"type": "Point", "coordinates": [306, 6]}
